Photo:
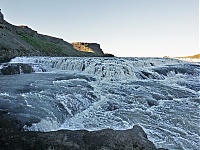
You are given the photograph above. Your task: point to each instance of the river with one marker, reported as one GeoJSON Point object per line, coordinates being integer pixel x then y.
{"type": "Point", "coordinates": [160, 94]}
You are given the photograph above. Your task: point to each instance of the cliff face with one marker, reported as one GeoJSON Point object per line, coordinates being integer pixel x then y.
{"type": "Point", "coordinates": [23, 41]}
{"type": "Point", "coordinates": [88, 47]}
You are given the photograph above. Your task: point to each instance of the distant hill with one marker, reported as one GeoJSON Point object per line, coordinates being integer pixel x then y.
{"type": "Point", "coordinates": [193, 57]}
{"type": "Point", "coordinates": [23, 41]}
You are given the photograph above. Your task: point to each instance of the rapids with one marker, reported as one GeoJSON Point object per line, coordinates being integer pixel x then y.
{"type": "Point", "coordinates": [160, 94]}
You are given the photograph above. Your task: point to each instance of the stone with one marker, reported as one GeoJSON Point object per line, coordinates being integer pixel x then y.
{"type": "Point", "coordinates": [15, 68]}
{"type": "Point", "coordinates": [14, 137]}
{"type": "Point", "coordinates": [1, 17]}
{"type": "Point", "coordinates": [152, 102]}
{"type": "Point", "coordinates": [107, 139]}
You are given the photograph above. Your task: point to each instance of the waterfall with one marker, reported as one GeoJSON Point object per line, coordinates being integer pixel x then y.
{"type": "Point", "coordinates": [112, 68]}
{"type": "Point", "coordinates": [97, 93]}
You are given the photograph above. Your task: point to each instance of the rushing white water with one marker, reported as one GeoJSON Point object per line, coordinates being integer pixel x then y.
{"type": "Point", "coordinates": [160, 94]}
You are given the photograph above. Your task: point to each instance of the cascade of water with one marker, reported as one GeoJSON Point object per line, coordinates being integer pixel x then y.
{"type": "Point", "coordinates": [98, 93]}
{"type": "Point", "coordinates": [115, 68]}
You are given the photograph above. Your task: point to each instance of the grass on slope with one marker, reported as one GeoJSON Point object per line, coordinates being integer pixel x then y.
{"type": "Point", "coordinates": [43, 46]}
{"type": "Point", "coordinates": [52, 49]}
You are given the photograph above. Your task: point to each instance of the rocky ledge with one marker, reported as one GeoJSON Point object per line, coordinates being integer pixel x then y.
{"type": "Point", "coordinates": [91, 48]}
{"type": "Point", "coordinates": [132, 139]}
{"type": "Point", "coordinates": [13, 137]}
{"type": "Point", "coordinates": [15, 68]}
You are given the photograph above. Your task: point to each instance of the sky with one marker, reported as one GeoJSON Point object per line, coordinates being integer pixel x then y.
{"type": "Point", "coordinates": [125, 28]}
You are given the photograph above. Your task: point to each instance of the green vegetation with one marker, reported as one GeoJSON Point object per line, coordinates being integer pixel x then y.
{"type": "Point", "coordinates": [51, 48]}
{"type": "Point", "coordinates": [41, 45]}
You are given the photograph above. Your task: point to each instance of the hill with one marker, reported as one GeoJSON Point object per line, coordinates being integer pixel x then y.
{"type": "Point", "coordinates": [194, 56]}
{"type": "Point", "coordinates": [23, 41]}
{"type": "Point", "coordinates": [197, 56]}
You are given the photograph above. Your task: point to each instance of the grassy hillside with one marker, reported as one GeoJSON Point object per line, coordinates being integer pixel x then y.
{"type": "Point", "coordinates": [23, 41]}
{"type": "Point", "coordinates": [41, 45]}
{"type": "Point", "coordinates": [49, 45]}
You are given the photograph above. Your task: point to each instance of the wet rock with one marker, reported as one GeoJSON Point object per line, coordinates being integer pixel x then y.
{"type": "Point", "coordinates": [112, 106]}
{"type": "Point", "coordinates": [132, 139]}
{"type": "Point", "coordinates": [18, 68]}
{"type": "Point", "coordinates": [14, 137]}
{"type": "Point", "coordinates": [152, 102]}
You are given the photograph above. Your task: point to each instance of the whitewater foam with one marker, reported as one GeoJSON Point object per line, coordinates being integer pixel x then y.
{"type": "Point", "coordinates": [99, 93]}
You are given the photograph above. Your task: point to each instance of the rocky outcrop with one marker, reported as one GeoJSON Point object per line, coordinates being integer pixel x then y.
{"type": "Point", "coordinates": [88, 47]}
{"type": "Point", "coordinates": [132, 139]}
{"type": "Point", "coordinates": [15, 68]}
{"type": "Point", "coordinates": [13, 137]}
{"type": "Point", "coordinates": [23, 41]}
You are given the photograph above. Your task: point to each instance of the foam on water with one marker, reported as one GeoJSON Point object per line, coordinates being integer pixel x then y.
{"type": "Point", "coordinates": [161, 95]}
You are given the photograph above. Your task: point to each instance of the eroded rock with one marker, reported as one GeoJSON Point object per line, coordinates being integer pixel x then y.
{"type": "Point", "coordinates": [132, 139]}
{"type": "Point", "coordinates": [15, 68]}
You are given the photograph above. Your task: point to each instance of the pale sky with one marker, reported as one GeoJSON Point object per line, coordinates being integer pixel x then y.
{"type": "Point", "coordinates": [126, 28]}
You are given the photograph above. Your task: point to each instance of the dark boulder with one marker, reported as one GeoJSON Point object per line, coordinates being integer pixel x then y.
{"type": "Point", "coordinates": [112, 106]}
{"type": "Point", "coordinates": [15, 68]}
{"type": "Point", "coordinates": [152, 102]}
{"type": "Point", "coordinates": [132, 139]}
{"type": "Point", "coordinates": [13, 137]}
